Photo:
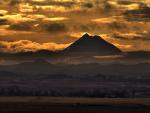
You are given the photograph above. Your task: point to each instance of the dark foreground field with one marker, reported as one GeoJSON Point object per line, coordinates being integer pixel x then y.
{"type": "Point", "coordinates": [72, 105]}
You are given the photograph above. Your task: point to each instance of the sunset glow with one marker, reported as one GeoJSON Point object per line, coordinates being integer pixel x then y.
{"type": "Point", "coordinates": [30, 25]}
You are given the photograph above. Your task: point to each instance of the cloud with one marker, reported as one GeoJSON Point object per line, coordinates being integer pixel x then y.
{"type": "Point", "coordinates": [107, 20]}
{"type": "Point", "coordinates": [15, 18]}
{"type": "Point", "coordinates": [117, 25]}
{"type": "Point", "coordinates": [125, 47]}
{"type": "Point", "coordinates": [88, 5]}
{"type": "Point", "coordinates": [125, 4]}
{"type": "Point", "coordinates": [63, 21]}
{"type": "Point", "coordinates": [23, 26]}
{"type": "Point", "coordinates": [111, 23]}
{"type": "Point", "coordinates": [55, 27]}
{"type": "Point", "coordinates": [52, 2]}
{"type": "Point", "coordinates": [26, 45]}
{"type": "Point", "coordinates": [3, 12]}
{"type": "Point", "coordinates": [141, 14]}
{"type": "Point", "coordinates": [14, 2]}
{"type": "Point", "coordinates": [57, 8]}
{"type": "Point", "coordinates": [56, 19]}
{"type": "Point", "coordinates": [132, 36]}
{"type": "Point", "coordinates": [3, 22]}
{"type": "Point", "coordinates": [26, 8]}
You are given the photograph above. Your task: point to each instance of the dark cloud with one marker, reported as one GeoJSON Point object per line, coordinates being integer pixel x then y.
{"type": "Point", "coordinates": [41, 27]}
{"type": "Point", "coordinates": [88, 5]}
{"type": "Point", "coordinates": [14, 2]}
{"type": "Point", "coordinates": [3, 22]}
{"type": "Point", "coordinates": [117, 25]}
{"type": "Point", "coordinates": [23, 26]}
{"type": "Point", "coordinates": [51, 2]}
{"type": "Point", "coordinates": [10, 2]}
{"type": "Point", "coordinates": [140, 36]}
{"type": "Point", "coordinates": [141, 14]}
{"type": "Point", "coordinates": [107, 7]}
{"type": "Point", "coordinates": [1, 14]}
{"type": "Point", "coordinates": [125, 2]}
{"type": "Point", "coordinates": [55, 27]}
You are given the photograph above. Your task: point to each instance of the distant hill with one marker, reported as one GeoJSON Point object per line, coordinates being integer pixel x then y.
{"type": "Point", "coordinates": [44, 67]}
{"type": "Point", "coordinates": [92, 45]}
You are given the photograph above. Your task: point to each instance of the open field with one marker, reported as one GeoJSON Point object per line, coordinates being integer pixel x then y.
{"type": "Point", "coordinates": [73, 105]}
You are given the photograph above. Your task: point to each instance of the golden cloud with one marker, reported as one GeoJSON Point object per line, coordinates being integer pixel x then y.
{"type": "Point", "coordinates": [38, 0]}
{"type": "Point", "coordinates": [64, 21]}
{"type": "Point", "coordinates": [27, 45]}
{"type": "Point", "coordinates": [56, 19]}
{"type": "Point", "coordinates": [26, 8]}
{"type": "Point", "coordinates": [131, 6]}
{"type": "Point", "coordinates": [3, 12]}
{"type": "Point", "coordinates": [124, 47]}
{"type": "Point", "coordinates": [108, 20]}
{"type": "Point", "coordinates": [15, 18]}
{"type": "Point", "coordinates": [104, 20]}
{"type": "Point", "coordinates": [36, 16]}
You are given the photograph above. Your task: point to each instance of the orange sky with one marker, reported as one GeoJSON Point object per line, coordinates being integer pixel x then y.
{"type": "Point", "coordinates": [30, 25]}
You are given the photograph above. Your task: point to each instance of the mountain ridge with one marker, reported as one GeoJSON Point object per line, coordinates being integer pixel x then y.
{"type": "Point", "coordinates": [92, 45]}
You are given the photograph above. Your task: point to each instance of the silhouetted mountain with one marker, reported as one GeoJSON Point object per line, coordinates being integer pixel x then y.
{"type": "Point", "coordinates": [43, 67]}
{"type": "Point", "coordinates": [37, 62]}
{"type": "Point", "coordinates": [36, 67]}
{"type": "Point", "coordinates": [92, 45]}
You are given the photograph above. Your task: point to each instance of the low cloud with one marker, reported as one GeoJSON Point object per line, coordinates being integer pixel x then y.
{"type": "Point", "coordinates": [26, 45]}
{"type": "Point", "coordinates": [132, 36]}
{"type": "Point", "coordinates": [125, 47]}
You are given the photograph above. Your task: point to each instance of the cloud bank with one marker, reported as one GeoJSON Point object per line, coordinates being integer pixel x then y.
{"type": "Point", "coordinates": [125, 22]}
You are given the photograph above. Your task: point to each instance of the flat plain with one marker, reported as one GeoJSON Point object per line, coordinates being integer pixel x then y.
{"type": "Point", "coordinates": [73, 105]}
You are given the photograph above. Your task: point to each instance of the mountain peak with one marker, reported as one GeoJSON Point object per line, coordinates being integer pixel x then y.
{"type": "Point", "coordinates": [86, 35]}
{"type": "Point", "coordinates": [92, 45]}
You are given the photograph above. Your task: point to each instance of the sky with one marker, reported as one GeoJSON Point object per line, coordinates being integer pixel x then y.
{"type": "Point", "coordinates": [31, 25]}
